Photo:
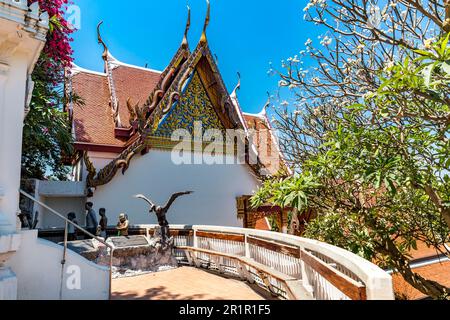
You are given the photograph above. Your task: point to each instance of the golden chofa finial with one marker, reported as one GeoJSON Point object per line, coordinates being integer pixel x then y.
{"type": "Point", "coordinates": [269, 101]}
{"type": "Point", "coordinates": [186, 31]}
{"type": "Point", "coordinates": [100, 41]}
{"type": "Point", "coordinates": [238, 86]}
{"type": "Point", "coordinates": [203, 39]}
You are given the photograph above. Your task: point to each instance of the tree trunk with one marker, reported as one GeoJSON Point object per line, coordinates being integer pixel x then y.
{"type": "Point", "coordinates": [293, 226]}
{"type": "Point", "coordinates": [436, 199]}
{"type": "Point", "coordinates": [446, 24]}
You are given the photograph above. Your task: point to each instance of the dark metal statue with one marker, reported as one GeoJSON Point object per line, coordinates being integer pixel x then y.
{"type": "Point", "coordinates": [161, 212]}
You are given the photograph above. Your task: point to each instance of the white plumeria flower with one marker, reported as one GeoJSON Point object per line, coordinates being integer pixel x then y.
{"type": "Point", "coordinates": [326, 41]}
{"type": "Point", "coordinates": [428, 43]}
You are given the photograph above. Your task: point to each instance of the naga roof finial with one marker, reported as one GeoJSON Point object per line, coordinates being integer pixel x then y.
{"type": "Point", "coordinates": [203, 39]}
{"type": "Point", "coordinates": [186, 31]}
{"type": "Point", "coordinates": [238, 86]}
{"type": "Point", "coordinates": [100, 41]}
{"type": "Point", "coordinates": [267, 105]}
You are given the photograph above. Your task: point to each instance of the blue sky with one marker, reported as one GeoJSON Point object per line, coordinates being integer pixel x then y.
{"type": "Point", "coordinates": [245, 36]}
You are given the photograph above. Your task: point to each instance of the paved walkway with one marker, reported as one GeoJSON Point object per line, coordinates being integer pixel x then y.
{"type": "Point", "coordinates": [184, 283]}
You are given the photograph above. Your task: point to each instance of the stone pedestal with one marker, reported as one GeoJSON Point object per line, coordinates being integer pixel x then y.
{"type": "Point", "coordinates": [133, 255]}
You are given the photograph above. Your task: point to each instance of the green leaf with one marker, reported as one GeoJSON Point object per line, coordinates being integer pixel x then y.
{"type": "Point", "coordinates": [424, 53]}
{"type": "Point", "coordinates": [446, 68]}
{"type": "Point", "coordinates": [444, 44]}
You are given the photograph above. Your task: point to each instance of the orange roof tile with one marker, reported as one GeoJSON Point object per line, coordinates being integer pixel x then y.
{"type": "Point", "coordinates": [439, 272]}
{"type": "Point", "coordinates": [424, 251]}
{"type": "Point", "coordinates": [133, 83]}
{"type": "Point", "coordinates": [263, 224]}
{"type": "Point", "coordinates": [94, 121]}
{"type": "Point", "coordinates": [265, 143]}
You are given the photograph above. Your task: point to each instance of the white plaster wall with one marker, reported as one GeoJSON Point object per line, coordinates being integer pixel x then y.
{"type": "Point", "coordinates": [37, 265]}
{"type": "Point", "coordinates": [101, 159]}
{"type": "Point", "coordinates": [63, 206]}
{"type": "Point", "coordinates": [61, 189]}
{"type": "Point", "coordinates": [12, 98]}
{"type": "Point", "coordinates": [155, 175]}
{"type": "Point", "coordinates": [98, 159]}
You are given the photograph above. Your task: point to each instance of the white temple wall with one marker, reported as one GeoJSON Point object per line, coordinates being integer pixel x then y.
{"type": "Point", "coordinates": [22, 35]}
{"type": "Point", "coordinates": [49, 220]}
{"type": "Point", "coordinates": [38, 268]}
{"type": "Point", "coordinates": [101, 159]}
{"type": "Point", "coordinates": [12, 97]}
{"type": "Point", "coordinates": [156, 176]}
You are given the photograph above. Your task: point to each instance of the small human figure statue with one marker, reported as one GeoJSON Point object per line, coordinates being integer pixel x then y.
{"type": "Point", "coordinates": [91, 219]}
{"type": "Point", "coordinates": [103, 225]}
{"type": "Point", "coordinates": [122, 225]}
{"type": "Point", "coordinates": [71, 230]}
{"type": "Point", "coordinates": [161, 212]}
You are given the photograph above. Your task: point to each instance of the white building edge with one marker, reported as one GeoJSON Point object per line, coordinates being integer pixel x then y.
{"type": "Point", "coordinates": [30, 268]}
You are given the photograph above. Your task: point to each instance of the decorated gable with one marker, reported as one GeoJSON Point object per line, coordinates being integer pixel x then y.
{"type": "Point", "coordinates": [194, 106]}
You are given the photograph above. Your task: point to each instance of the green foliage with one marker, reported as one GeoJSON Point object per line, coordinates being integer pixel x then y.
{"type": "Point", "coordinates": [371, 124]}
{"type": "Point", "coordinates": [379, 163]}
{"type": "Point", "coordinates": [46, 135]}
{"type": "Point", "coordinates": [290, 192]}
{"type": "Point", "coordinates": [47, 132]}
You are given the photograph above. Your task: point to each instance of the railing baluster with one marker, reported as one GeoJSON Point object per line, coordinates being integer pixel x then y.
{"type": "Point", "coordinates": [63, 261]}
{"type": "Point", "coordinates": [67, 222]}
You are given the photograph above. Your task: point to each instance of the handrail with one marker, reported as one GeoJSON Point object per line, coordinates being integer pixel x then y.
{"type": "Point", "coordinates": [67, 222]}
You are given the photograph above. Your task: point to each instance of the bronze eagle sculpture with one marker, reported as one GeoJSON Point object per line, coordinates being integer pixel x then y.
{"type": "Point", "coordinates": [161, 212]}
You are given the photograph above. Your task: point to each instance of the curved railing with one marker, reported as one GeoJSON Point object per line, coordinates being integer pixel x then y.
{"type": "Point", "coordinates": [276, 261]}
{"type": "Point", "coordinates": [65, 239]}
{"type": "Point", "coordinates": [289, 267]}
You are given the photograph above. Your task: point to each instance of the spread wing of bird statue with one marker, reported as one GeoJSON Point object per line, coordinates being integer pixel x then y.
{"type": "Point", "coordinates": [175, 197]}
{"type": "Point", "coordinates": [141, 196]}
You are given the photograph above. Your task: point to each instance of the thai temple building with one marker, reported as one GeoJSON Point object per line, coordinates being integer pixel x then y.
{"type": "Point", "coordinates": [156, 133]}
{"type": "Point", "coordinates": [123, 138]}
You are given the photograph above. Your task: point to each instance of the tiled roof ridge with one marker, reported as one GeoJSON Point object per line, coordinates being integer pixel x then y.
{"type": "Point", "coordinates": [75, 69]}
{"type": "Point", "coordinates": [117, 63]}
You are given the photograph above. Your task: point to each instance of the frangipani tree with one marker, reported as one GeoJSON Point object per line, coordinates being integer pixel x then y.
{"type": "Point", "coordinates": [370, 128]}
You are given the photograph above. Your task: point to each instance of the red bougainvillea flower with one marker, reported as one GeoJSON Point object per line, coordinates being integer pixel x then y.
{"type": "Point", "coordinates": [57, 54]}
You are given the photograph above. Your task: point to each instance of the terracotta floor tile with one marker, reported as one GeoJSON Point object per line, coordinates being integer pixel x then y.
{"type": "Point", "coordinates": [184, 284]}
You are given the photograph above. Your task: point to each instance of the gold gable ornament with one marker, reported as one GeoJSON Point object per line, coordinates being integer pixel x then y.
{"type": "Point", "coordinates": [242, 205]}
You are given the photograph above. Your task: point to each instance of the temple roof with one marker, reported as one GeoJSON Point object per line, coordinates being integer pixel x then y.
{"type": "Point", "coordinates": [94, 120]}
{"type": "Point", "coordinates": [125, 105]}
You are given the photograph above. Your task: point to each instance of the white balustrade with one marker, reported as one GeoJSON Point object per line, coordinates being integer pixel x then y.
{"type": "Point", "coordinates": [322, 269]}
